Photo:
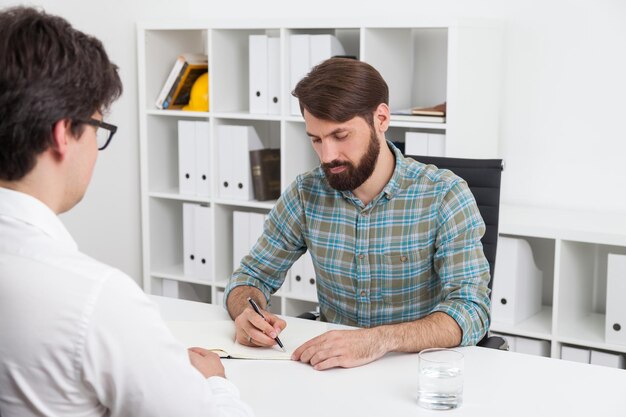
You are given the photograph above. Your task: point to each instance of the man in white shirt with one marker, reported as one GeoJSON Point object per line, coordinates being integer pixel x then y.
{"type": "Point", "coordinates": [77, 337]}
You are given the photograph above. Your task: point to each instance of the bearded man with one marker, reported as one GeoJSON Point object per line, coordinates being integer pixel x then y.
{"type": "Point", "coordinates": [395, 243]}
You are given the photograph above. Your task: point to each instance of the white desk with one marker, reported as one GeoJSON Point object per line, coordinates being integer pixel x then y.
{"type": "Point", "coordinates": [497, 383]}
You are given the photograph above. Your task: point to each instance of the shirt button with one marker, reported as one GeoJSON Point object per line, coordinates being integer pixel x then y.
{"type": "Point", "coordinates": [361, 256]}
{"type": "Point", "coordinates": [403, 258]}
{"type": "Point", "coordinates": [362, 293]}
{"type": "Point", "coordinates": [364, 213]}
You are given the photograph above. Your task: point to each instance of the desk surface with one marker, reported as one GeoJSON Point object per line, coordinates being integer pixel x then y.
{"type": "Point", "coordinates": [497, 383]}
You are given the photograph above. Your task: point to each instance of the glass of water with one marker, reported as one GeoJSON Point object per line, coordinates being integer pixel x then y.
{"type": "Point", "coordinates": [440, 379]}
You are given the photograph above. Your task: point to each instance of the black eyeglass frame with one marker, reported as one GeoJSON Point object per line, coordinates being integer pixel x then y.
{"type": "Point", "coordinates": [100, 124]}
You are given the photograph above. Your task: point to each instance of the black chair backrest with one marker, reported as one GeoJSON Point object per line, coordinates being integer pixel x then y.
{"type": "Point", "coordinates": [483, 178]}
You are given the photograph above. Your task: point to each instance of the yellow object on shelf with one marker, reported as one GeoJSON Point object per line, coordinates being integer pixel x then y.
{"type": "Point", "coordinates": [199, 96]}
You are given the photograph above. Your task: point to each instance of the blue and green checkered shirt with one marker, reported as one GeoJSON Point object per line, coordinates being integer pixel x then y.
{"type": "Point", "coordinates": [413, 250]}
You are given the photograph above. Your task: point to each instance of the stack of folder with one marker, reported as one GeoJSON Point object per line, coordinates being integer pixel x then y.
{"type": "Point", "coordinates": [194, 158]}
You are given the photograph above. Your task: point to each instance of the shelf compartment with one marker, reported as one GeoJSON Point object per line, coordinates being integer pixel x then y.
{"type": "Point", "coordinates": [200, 292]}
{"type": "Point", "coordinates": [423, 81]}
{"type": "Point", "coordinates": [538, 326]}
{"type": "Point", "coordinates": [162, 144]}
{"type": "Point", "coordinates": [230, 81]}
{"type": "Point", "coordinates": [162, 47]}
{"type": "Point", "coordinates": [581, 312]}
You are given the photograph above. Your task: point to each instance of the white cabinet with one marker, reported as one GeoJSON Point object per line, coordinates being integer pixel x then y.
{"type": "Point", "coordinates": [424, 62]}
{"type": "Point", "coordinates": [581, 256]}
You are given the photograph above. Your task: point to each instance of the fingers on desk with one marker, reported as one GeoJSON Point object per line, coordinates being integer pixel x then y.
{"type": "Point", "coordinates": [337, 348]}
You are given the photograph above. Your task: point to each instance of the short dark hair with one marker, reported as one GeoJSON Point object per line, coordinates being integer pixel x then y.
{"type": "Point", "coordinates": [340, 89]}
{"type": "Point", "coordinates": [49, 71]}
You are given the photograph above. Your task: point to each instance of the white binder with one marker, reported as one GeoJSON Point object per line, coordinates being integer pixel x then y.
{"type": "Point", "coordinates": [203, 157]}
{"type": "Point", "coordinates": [186, 157]}
{"type": "Point", "coordinates": [189, 252]}
{"type": "Point", "coordinates": [436, 144]}
{"type": "Point", "coordinates": [256, 228]}
{"type": "Point", "coordinates": [273, 71]}
{"type": "Point", "coordinates": [615, 330]}
{"type": "Point", "coordinates": [241, 230]}
{"type": "Point", "coordinates": [225, 160]}
{"type": "Point", "coordinates": [235, 144]}
{"type": "Point", "coordinates": [323, 47]}
{"type": "Point", "coordinates": [296, 277]}
{"type": "Point", "coordinates": [202, 242]}
{"type": "Point", "coordinates": [258, 74]}
{"type": "Point", "coordinates": [310, 278]}
{"type": "Point", "coordinates": [517, 282]}
{"type": "Point", "coordinates": [416, 143]}
{"type": "Point", "coordinates": [298, 65]}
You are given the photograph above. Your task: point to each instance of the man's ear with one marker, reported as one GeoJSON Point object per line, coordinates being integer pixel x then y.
{"type": "Point", "coordinates": [382, 117]}
{"type": "Point", "coordinates": [61, 134]}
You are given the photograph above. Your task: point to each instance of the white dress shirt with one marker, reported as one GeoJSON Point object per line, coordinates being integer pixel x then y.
{"type": "Point", "coordinates": [78, 337]}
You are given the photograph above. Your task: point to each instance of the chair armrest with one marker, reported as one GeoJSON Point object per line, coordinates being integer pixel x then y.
{"type": "Point", "coordinates": [309, 315]}
{"type": "Point", "coordinates": [494, 342]}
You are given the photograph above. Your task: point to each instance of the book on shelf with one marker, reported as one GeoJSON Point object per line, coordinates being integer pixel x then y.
{"type": "Point", "coordinates": [438, 110]}
{"type": "Point", "coordinates": [219, 336]}
{"type": "Point", "coordinates": [407, 116]}
{"type": "Point", "coordinates": [434, 114]}
{"type": "Point", "coordinates": [265, 168]}
{"type": "Point", "coordinates": [186, 69]}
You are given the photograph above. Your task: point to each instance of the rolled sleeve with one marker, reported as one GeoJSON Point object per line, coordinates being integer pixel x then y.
{"type": "Point", "coordinates": [461, 264]}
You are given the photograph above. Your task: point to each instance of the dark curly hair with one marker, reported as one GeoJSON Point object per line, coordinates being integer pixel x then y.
{"type": "Point", "coordinates": [49, 71]}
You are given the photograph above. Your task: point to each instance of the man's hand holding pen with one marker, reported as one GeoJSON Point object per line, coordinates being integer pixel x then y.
{"type": "Point", "coordinates": [254, 329]}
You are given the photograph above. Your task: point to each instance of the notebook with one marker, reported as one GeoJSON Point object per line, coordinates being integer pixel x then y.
{"type": "Point", "coordinates": [219, 337]}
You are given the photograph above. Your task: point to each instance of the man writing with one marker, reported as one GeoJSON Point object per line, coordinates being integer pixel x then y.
{"type": "Point", "coordinates": [395, 243]}
{"type": "Point", "coordinates": [77, 337]}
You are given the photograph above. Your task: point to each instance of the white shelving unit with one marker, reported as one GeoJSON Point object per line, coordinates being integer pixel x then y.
{"type": "Point", "coordinates": [424, 62]}
{"type": "Point", "coordinates": [571, 249]}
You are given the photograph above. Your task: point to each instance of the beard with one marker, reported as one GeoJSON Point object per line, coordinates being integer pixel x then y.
{"type": "Point", "coordinates": [353, 176]}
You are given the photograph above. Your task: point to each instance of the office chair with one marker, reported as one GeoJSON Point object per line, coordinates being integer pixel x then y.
{"type": "Point", "coordinates": [483, 178]}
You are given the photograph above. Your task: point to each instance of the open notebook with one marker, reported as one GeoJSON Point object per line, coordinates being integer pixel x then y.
{"type": "Point", "coordinates": [219, 337]}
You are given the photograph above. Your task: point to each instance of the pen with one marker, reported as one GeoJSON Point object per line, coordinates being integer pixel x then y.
{"type": "Point", "coordinates": [258, 311]}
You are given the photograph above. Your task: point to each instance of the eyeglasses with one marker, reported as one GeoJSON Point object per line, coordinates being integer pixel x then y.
{"type": "Point", "coordinates": [104, 133]}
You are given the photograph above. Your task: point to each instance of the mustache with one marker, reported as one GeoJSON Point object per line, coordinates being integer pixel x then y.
{"type": "Point", "coordinates": [335, 164]}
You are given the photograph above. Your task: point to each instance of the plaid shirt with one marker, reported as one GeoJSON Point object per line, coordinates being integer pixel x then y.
{"type": "Point", "coordinates": [413, 250]}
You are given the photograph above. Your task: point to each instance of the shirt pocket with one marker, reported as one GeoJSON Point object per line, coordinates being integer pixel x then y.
{"type": "Point", "coordinates": [407, 277]}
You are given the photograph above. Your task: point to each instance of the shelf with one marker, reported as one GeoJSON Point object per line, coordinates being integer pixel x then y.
{"type": "Point", "coordinates": [246, 116]}
{"type": "Point", "coordinates": [299, 297]}
{"type": "Point", "coordinates": [607, 228]}
{"type": "Point", "coordinates": [417, 125]}
{"type": "Point", "coordinates": [538, 326]}
{"type": "Point", "coordinates": [266, 205]}
{"type": "Point", "coordinates": [175, 272]}
{"type": "Point", "coordinates": [174, 195]}
{"type": "Point", "coordinates": [178, 113]}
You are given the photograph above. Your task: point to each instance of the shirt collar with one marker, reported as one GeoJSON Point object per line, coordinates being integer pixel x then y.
{"type": "Point", "coordinates": [393, 185]}
{"type": "Point", "coordinates": [27, 209]}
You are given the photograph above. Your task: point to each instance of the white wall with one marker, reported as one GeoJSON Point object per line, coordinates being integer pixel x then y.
{"type": "Point", "coordinates": [562, 104]}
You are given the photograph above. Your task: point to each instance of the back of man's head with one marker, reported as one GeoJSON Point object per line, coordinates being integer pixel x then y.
{"type": "Point", "coordinates": [49, 71]}
{"type": "Point", "coordinates": [340, 89]}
